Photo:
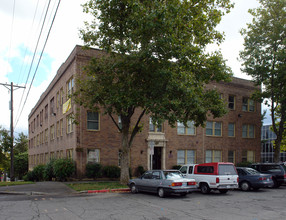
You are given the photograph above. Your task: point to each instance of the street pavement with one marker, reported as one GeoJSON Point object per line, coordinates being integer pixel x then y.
{"type": "Point", "coordinates": [39, 188]}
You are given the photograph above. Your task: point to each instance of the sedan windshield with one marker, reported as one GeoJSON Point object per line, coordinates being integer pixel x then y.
{"type": "Point", "coordinates": [170, 175]}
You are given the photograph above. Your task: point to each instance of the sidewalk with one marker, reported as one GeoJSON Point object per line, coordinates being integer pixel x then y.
{"type": "Point", "coordinates": [38, 188]}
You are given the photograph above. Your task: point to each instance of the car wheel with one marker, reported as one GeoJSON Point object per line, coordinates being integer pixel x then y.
{"type": "Point", "coordinates": [161, 193]}
{"type": "Point", "coordinates": [244, 186]}
{"type": "Point", "coordinates": [133, 188]}
{"type": "Point", "coordinates": [223, 191]}
{"type": "Point", "coordinates": [276, 184]}
{"type": "Point", "coordinates": [205, 189]}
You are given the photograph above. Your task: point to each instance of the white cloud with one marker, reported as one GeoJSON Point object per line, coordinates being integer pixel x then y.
{"type": "Point", "coordinates": [65, 35]}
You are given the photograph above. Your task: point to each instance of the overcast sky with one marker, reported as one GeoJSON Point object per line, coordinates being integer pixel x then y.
{"type": "Point", "coordinates": [20, 31]}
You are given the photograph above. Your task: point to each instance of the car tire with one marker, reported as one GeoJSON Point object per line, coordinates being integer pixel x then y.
{"type": "Point", "coordinates": [161, 193]}
{"type": "Point", "coordinates": [245, 186]}
{"type": "Point", "coordinates": [276, 184]}
{"type": "Point", "coordinates": [223, 191]}
{"type": "Point", "coordinates": [205, 189]}
{"type": "Point", "coordinates": [133, 188]}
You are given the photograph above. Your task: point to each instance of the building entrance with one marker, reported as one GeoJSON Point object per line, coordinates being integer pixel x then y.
{"type": "Point", "coordinates": [157, 158]}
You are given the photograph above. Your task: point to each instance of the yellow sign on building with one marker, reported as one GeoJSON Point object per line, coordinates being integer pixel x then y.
{"type": "Point", "coordinates": [67, 106]}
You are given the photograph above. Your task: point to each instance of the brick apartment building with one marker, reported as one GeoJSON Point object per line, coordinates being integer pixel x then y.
{"type": "Point", "coordinates": [234, 137]}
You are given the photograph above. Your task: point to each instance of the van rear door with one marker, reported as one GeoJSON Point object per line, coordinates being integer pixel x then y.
{"type": "Point", "coordinates": [227, 174]}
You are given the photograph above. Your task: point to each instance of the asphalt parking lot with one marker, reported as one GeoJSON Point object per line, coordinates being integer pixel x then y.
{"type": "Point", "coordinates": [253, 205]}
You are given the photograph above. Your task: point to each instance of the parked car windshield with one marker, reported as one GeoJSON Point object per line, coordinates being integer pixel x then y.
{"type": "Point", "coordinates": [251, 171]}
{"type": "Point", "coordinates": [226, 169]}
{"type": "Point", "coordinates": [172, 175]}
{"type": "Point", "coordinates": [284, 167]}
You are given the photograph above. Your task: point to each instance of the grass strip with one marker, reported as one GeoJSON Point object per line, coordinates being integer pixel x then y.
{"type": "Point", "coordinates": [96, 186]}
{"type": "Point", "coordinates": [15, 183]}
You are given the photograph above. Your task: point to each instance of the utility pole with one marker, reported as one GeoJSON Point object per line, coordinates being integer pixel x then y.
{"type": "Point", "coordinates": [12, 177]}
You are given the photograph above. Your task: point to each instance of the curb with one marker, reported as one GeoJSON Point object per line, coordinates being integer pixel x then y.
{"type": "Point", "coordinates": [107, 191]}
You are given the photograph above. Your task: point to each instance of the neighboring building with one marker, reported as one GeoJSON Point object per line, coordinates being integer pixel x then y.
{"type": "Point", "coordinates": [267, 150]}
{"type": "Point", "coordinates": [234, 137]}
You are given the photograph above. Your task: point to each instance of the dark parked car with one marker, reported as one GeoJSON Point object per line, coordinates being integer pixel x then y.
{"type": "Point", "coordinates": [252, 179]}
{"type": "Point", "coordinates": [162, 182]}
{"type": "Point", "coordinates": [278, 172]}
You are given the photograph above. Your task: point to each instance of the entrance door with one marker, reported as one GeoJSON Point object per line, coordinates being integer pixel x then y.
{"type": "Point", "coordinates": [157, 158]}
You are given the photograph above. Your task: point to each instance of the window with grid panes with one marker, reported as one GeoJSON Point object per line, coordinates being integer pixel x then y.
{"type": "Point", "coordinates": [154, 127]}
{"type": "Point", "coordinates": [92, 121]}
{"type": "Point", "coordinates": [231, 102]}
{"type": "Point", "coordinates": [248, 105]}
{"type": "Point", "coordinates": [213, 128]}
{"type": "Point", "coordinates": [213, 156]}
{"type": "Point", "coordinates": [186, 157]}
{"type": "Point", "coordinates": [248, 131]}
{"type": "Point", "coordinates": [189, 130]}
{"type": "Point", "coordinates": [231, 129]}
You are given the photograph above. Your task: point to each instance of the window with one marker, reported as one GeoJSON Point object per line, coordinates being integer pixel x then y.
{"type": "Point", "coordinates": [70, 85]}
{"type": "Point", "coordinates": [92, 121]}
{"type": "Point", "coordinates": [248, 105]}
{"type": "Point", "coordinates": [52, 155]}
{"type": "Point", "coordinates": [205, 169]}
{"type": "Point", "coordinates": [154, 127]}
{"type": "Point", "coordinates": [248, 131]}
{"type": "Point", "coordinates": [69, 123]}
{"type": "Point", "coordinates": [37, 120]}
{"type": "Point", "coordinates": [46, 135]}
{"type": "Point", "coordinates": [189, 130]}
{"type": "Point", "coordinates": [213, 129]}
{"type": "Point", "coordinates": [231, 156]}
{"type": "Point", "coordinates": [58, 129]}
{"type": "Point", "coordinates": [52, 132]}
{"type": "Point", "coordinates": [46, 112]}
{"type": "Point", "coordinates": [61, 128]}
{"type": "Point", "coordinates": [213, 156]}
{"type": "Point", "coordinates": [61, 96]}
{"type": "Point", "coordinates": [58, 100]}
{"type": "Point", "coordinates": [186, 156]}
{"type": "Point", "coordinates": [69, 153]}
{"type": "Point", "coordinates": [248, 155]}
{"type": "Point", "coordinates": [231, 102]}
{"type": "Point", "coordinates": [52, 103]}
{"type": "Point", "coordinates": [41, 118]}
{"type": "Point", "coordinates": [93, 155]}
{"type": "Point", "coordinates": [231, 129]}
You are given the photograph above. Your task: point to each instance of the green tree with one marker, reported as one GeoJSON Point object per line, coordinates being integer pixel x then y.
{"type": "Point", "coordinates": [5, 143]}
{"type": "Point", "coordinates": [264, 58]}
{"type": "Point", "coordinates": [21, 144]}
{"type": "Point", "coordinates": [155, 64]}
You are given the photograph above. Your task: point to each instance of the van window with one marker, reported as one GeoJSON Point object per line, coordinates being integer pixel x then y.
{"type": "Point", "coordinates": [205, 169]}
{"type": "Point", "coordinates": [226, 169]}
{"type": "Point", "coordinates": [190, 170]}
{"type": "Point", "coordinates": [271, 168]}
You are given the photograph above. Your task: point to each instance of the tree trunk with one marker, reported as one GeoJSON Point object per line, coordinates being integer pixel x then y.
{"type": "Point", "coordinates": [277, 150]}
{"type": "Point", "coordinates": [124, 175]}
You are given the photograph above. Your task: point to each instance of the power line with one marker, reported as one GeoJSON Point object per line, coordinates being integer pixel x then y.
{"type": "Point", "coordinates": [31, 65]}
{"type": "Point", "coordinates": [40, 59]}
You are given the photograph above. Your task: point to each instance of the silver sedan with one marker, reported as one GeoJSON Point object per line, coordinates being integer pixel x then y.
{"type": "Point", "coordinates": [162, 182]}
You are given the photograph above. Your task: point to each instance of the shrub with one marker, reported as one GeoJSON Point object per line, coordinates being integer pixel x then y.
{"type": "Point", "coordinates": [140, 170]}
{"type": "Point", "coordinates": [63, 168]}
{"type": "Point", "coordinates": [111, 171]}
{"type": "Point", "coordinates": [176, 167]}
{"type": "Point", "coordinates": [38, 173]}
{"type": "Point", "coordinates": [49, 170]}
{"type": "Point", "coordinates": [244, 164]}
{"type": "Point", "coordinates": [93, 170]}
{"type": "Point", "coordinates": [29, 176]}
